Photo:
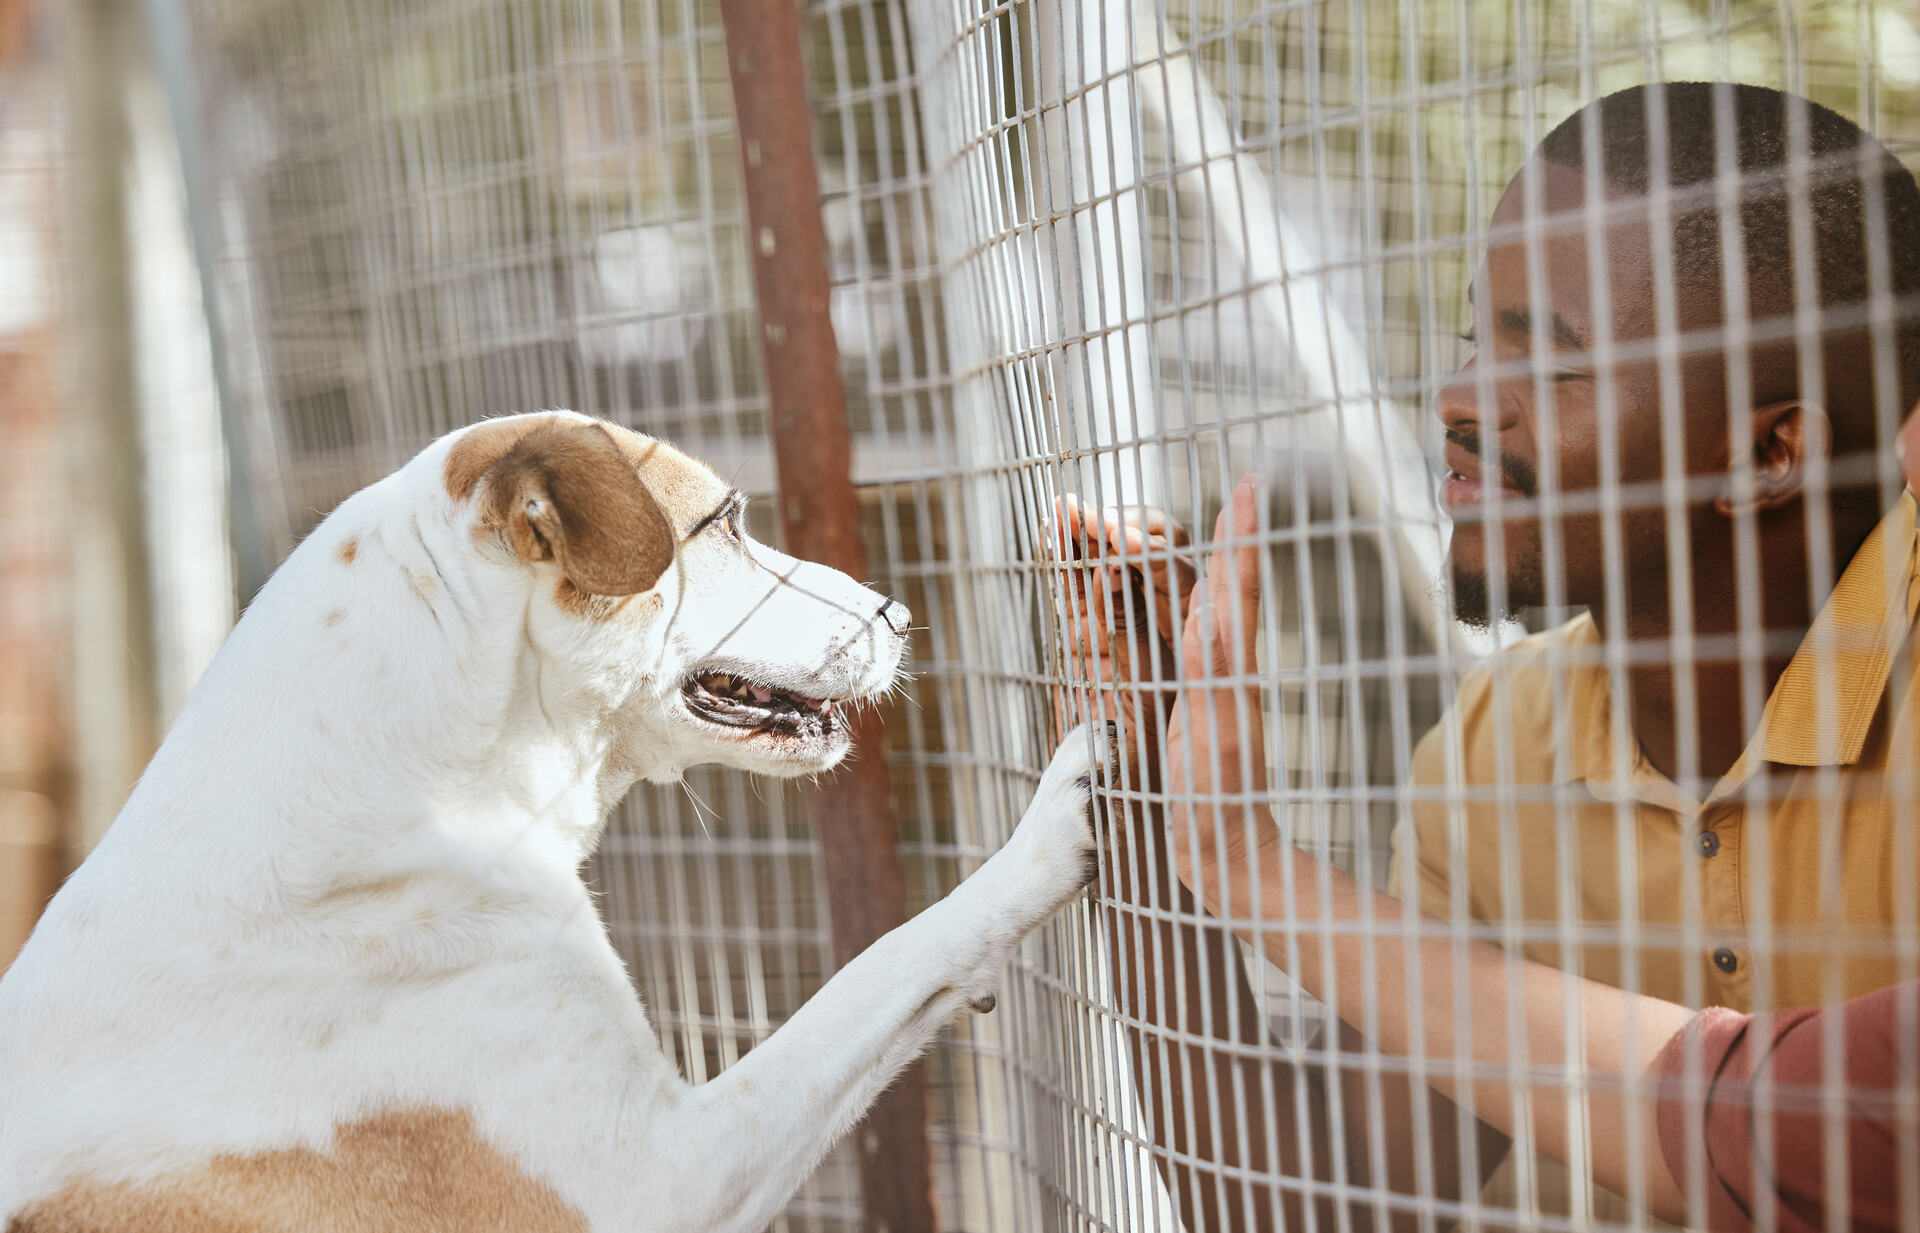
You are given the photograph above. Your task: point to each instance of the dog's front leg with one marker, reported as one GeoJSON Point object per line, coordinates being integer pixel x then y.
{"type": "Point", "coordinates": [744, 1142]}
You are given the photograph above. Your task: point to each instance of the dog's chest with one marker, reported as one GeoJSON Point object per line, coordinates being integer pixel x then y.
{"type": "Point", "coordinates": [508, 1076]}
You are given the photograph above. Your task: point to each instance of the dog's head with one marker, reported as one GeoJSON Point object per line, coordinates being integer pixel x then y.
{"type": "Point", "coordinates": [647, 598]}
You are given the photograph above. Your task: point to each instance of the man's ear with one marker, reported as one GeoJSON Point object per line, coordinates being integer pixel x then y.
{"type": "Point", "coordinates": [1906, 447]}
{"type": "Point", "coordinates": [1786, 437]}
{"type": "Point", "coordinates": [566, 493]}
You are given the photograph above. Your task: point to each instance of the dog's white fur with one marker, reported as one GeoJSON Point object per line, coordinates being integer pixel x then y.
{"type": "Point", "coordinates": [348, 882]}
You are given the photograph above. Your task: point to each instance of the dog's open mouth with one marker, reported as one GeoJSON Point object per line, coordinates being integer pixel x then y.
{"type": "Point", "coordinates": [737, 702]}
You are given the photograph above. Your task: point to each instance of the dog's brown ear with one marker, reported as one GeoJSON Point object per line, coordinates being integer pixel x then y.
{"type": "Point", "coordinates": [565, 492]}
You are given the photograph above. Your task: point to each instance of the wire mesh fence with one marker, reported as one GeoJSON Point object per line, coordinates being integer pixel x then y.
{"type": "Point", "coordinates": [1126, 253]}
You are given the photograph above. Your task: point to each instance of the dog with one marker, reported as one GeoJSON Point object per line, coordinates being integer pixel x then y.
{"type": "Point", "coordinates": [334, 969]}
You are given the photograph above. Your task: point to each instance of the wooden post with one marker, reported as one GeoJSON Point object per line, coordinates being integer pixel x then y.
{"type": "Point", "coordinates": [116, 708]}
{"type": "Point", "coordinates": [34, 734]}
{"type": "Point", "coordinates": [820, 519]}
{"type": "Point", "coordinates": [33, 728]}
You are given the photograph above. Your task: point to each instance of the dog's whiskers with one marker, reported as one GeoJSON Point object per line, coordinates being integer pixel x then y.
{"type": "Point", "coordinates": [700, 809]}
{"type": "Point", "coordinates": [899, 689]}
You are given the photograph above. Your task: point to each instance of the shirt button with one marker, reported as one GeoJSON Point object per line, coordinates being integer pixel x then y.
{"type": "Point", "coordinates": [1726, 960]}
{"type": "Point", "coordinates": [1708, 843]}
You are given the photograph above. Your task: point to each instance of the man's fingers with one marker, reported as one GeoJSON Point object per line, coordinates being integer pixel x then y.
{"type": "Point", "coordinates": [1232, 583]}
{"type": "Point", "coordinates": [1072, 535]}
{"type": "Point", "coordinates": [1193, 651]}
{"type": "Point", "coordinates": [1907, 445]}
{"type": "Point", "coordinates": [1219, 567]}
{"type": "Point", "coordinates": [1086, 611]}
{"type": "Point", "coordinates": [1245, 507]}
{"type": "Point", "coordinates": [1146, 553]}
{"type": "Point", "coordinates": [1110, 521]}
{"type": "Point", "coordinates": [1155, 521]}
{"type": "Point", "coordinates": [1170, 605]}
{"type": "Point", "coordinates": [1215, 602]}
{"type": "Point", "coordinates": [1225, 660]}
{"type": "Point", "coordinates": [1158, 539]}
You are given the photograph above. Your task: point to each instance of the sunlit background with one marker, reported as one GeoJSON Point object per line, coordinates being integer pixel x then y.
{"type": "Point", "coordinates": [255, 253]}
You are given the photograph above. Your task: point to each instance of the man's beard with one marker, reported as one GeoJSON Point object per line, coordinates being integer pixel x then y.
{"type": "Point", "coordinates": [1473, 597]}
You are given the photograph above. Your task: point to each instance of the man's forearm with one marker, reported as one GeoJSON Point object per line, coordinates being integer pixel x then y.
{"type": "Point", "coordinates": [1211, 1089]}
{"type": "Point", "coordinates": [1406, 1143]}
{"type": "Point", "coordinates": [1346, 951]}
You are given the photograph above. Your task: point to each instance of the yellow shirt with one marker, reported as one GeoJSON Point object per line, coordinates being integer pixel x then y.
{"type": "Point", "coordinates": [1790, 882]}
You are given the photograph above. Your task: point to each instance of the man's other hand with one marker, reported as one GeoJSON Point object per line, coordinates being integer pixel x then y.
{"type": "Point", "coordinates": [1908, 447]}
{"type": "Point", "coordinates": [1127, 585]}
{"type": "Point", "coordinates": [1216, 742]}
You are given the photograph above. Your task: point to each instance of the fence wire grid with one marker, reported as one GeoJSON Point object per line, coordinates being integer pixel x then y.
{"type": "Point", "coordinates": [1124, 253]}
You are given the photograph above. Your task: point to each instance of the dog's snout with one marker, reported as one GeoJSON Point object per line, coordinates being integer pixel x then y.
{"type": "Point", "coordinates": [896, 616]}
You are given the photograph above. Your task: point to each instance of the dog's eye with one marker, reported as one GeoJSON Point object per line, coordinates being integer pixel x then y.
{"type": "Point", "coordinates": [730, 523]}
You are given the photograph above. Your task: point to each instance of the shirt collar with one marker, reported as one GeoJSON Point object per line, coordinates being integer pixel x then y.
{"type": "Point", "coordinates": [1822, 707]}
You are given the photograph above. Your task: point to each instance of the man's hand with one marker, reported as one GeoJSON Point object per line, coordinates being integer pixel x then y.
{"type": "Point", "coordinates": [1216, 742]}
{"type": "Point", "coordinates": [1124, 592]}
{"type": "Point", "coordinates": [1907, 445]}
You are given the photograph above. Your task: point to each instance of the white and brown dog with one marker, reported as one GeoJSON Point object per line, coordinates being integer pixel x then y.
{"type": "Point", "coordinates": [334, 970]}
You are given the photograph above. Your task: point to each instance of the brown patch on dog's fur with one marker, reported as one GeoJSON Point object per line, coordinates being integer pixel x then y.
{"type": "Point", "coordinates": [422, 1170]}
{"type": "Point", "coordinates": [348, 551]}
{"type": "Point", "coordinates": [685, 488]}
{"type": "Point", "coordinates": [481, 446]}
{"type": "Point", "coordinates": [566, 492]}
{"type": "Point", "coordinates": [335, 617]}
{"type": "Point", "coordinates": [613, 538]}
{"type": "Point", "coordinates": [570, 598]}
{"type": "Point", "coordinates": [378, 889]}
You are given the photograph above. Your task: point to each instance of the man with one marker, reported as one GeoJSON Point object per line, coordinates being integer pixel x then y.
{"type": "Point", "coordinates": [1694, 328]}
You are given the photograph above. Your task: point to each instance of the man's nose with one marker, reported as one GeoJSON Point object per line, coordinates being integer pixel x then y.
{"type": "Point", "coordinates": [895, 614]}
{"type": "Point", "coordinates": [1468, 405]}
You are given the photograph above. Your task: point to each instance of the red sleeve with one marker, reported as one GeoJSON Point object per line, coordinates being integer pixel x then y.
{"type": "Point", "coordinates": [1732, 1053]}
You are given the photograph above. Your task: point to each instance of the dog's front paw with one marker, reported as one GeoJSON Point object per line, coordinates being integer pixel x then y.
{"type": "Point", "coordinates": [1059, 830]}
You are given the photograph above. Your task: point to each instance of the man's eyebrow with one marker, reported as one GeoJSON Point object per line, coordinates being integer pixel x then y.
{"type": "Point", "coordinates": [1520, 321]}
{"type": "Point", "coordinates": [729, 502]}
